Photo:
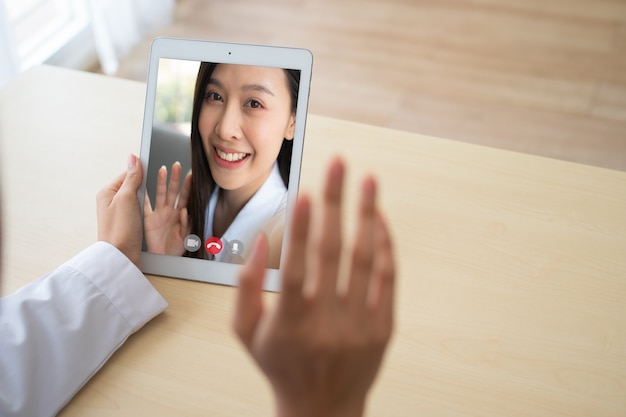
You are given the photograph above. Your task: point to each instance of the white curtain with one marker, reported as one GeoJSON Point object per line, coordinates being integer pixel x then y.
{"type": "Point", "coordinates": [118, 25]}
{"type": "Point", "coordinates": [8, 58]}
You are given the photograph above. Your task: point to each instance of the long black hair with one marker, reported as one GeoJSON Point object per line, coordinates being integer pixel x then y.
{"type": "Point", "coordinates": [202, 182]}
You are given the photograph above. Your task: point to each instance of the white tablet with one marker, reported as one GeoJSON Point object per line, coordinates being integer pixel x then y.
{"type": "Point", "coordinates": [221, 149]}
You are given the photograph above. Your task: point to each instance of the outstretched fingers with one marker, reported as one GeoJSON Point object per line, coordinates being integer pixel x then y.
{"type": "Point", "coordinates": [249, 304]}
{"type": "Point", "coordinates": [167, 194]}
{"type": "Point", "coordinates": [184, 193]}
{"type": "Point", "coordinates": [161, 188]}
{"type": "Point", "coordinates": [319, 356]}
{"type": "Point", "coordinates": [295, 266]}
{"type": "Point", "coordinates": [364, 248]}
{"type": "Point", "coordinates": [382, 291]}
{"type": "Point", "coordinates": [184, 222]}
{"type": "Point", "coordinates": [174, 185]}
{"type": "Point", "coordinates": [329, 242]}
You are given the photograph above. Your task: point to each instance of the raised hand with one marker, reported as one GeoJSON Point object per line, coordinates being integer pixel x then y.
{"type": "Point", "coordinates": [322, 344]}
{"type": "Point", "coordinates": [167, 224]}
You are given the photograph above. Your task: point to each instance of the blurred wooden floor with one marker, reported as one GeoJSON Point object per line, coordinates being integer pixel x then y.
{"type": "Point", "coordinates": [535, 76]}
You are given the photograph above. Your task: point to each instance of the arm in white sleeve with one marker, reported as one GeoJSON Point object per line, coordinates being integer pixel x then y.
{"type": "Point", "coordinates": [56, 332]}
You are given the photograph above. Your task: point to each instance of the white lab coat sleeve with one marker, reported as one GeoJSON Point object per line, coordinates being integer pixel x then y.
{"type": "Point", "coordinates": [56, 332]}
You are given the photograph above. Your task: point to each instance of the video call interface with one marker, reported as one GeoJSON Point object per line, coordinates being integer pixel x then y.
{"type": "Point", "coordinates": [238, 148]}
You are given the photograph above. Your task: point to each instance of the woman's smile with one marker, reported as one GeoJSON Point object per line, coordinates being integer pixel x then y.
{"type": "Point", "coordinates": [230, 159]}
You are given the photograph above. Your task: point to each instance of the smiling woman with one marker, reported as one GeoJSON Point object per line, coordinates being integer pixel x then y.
{"type": "Point", "coordinates": [242, 129]}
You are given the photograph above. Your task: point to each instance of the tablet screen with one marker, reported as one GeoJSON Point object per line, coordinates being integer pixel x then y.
{"type": "Point", "coordinates": [220, 159]}
{"type": "Point", "coordinates": [221, 147]}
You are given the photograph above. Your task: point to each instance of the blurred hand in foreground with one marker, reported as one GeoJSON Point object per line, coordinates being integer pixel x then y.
{"type": "Point", "coordinates": [322, 343]}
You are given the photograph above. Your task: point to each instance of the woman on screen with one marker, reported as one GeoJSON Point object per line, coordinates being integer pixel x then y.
{"type": "Point", "coordinates": [242, 129]}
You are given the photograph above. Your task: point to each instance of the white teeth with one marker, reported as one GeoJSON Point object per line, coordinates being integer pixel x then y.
{"type": "Point", "coordinates": [231, 157]}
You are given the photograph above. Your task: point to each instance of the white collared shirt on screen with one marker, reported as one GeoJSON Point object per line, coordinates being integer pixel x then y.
{"type": "Point", "coordinates": [265, 212]}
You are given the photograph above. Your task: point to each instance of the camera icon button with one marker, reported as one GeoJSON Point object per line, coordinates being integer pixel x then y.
{"type": "Point", "coordinates": [192, 243]}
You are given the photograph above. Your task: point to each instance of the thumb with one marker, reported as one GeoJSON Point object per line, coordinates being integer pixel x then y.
{"type": "Point", "coordinates": [249, 304]}
{"type": "Point", "coordinates": [134, 174]}
{"type": "Point", "coordinates": [184, 222]}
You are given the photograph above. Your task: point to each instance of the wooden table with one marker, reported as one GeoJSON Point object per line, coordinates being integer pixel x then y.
{"type": "Point", "coordinates": [512, 268]}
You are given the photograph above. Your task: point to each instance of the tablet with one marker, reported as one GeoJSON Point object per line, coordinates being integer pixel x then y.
{"type": "Point", "coordinates": [221, 148]}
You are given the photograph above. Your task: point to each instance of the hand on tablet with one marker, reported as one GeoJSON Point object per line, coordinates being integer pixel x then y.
{"type": "Point", "coordinates": [320, 346]}
{"type": "Point", "coordinates": [119, 217]}
{"type": "Point", "coordinates": [166, 225]}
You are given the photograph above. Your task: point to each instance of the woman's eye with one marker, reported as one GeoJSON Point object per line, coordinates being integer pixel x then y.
{"type": "Point", "coordinates": [254, 104]}
{"type": "Point", "coordinates": [213, 96]}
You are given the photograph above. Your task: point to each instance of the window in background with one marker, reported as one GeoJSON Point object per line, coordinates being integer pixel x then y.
{"type": "Point", "coordinates": [75, 33]}
{"type": "Point", "coordinates": [42, 27]}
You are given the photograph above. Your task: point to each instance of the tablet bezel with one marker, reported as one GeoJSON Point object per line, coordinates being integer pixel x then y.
{"type": "Point", "coordinates": [228, 53]}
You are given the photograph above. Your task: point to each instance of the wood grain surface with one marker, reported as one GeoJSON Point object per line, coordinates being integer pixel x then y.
{"type": "Point", "coordinates": [511, 295]}
{"type": "Point", "coordinates": [535, 76]}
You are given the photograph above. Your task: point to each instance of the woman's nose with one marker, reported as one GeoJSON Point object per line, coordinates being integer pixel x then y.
{"type": "Point", "coordinates": [228, 126]}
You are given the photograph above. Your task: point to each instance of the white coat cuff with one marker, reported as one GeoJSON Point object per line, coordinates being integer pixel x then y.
{"type": "Point", "coordinates": [121, 282]}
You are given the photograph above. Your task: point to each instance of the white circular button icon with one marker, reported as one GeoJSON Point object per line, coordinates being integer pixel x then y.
{"type": "Point", "coordinates": [235, 247]}
{"type": "Point", "coordinates": [192, 243]}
